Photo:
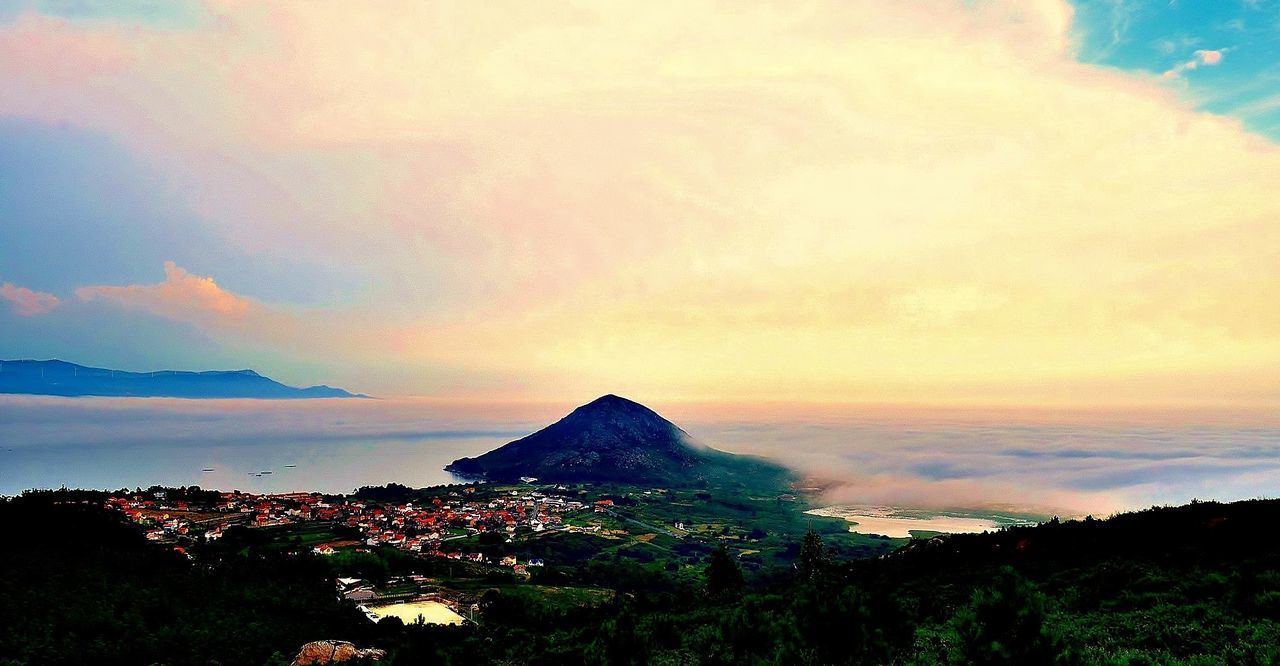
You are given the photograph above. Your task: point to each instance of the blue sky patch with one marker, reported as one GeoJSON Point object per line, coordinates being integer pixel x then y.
{"type": "Point", "coordinates": [169, 14]}
{"type": "Point", "coordinates": [1224, 53]}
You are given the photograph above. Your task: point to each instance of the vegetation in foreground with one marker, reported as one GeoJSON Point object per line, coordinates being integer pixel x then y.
{"type": "Point", "coordinates": [1198, 584]}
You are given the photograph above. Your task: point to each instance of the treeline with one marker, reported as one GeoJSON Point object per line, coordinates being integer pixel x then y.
{"type": "Point", "coordinates": [190, 494]}
{"type": "Point", "coordinates": [81, 586]}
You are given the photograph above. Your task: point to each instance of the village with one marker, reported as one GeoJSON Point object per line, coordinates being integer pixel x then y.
{"type": "Point", "coordinates": [435, 554]}
{"type": "Point", "coordinates": [422, 528]}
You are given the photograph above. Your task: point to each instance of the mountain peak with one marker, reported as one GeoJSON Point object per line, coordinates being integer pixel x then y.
{"type": "Point", "coordinates": [615, 440]}
{"type": "Point", "coordinates": [611, 401]}
{"type": "Point", "coordinates": [616, 403]}
{"type": "Point", "coordinates": [610, 438]}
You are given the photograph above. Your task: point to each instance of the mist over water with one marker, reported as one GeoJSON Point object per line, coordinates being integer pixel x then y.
{"type": "Point", "coordinates": [1086, 463]}
{"type": "Point", "coordinates": [1060, 462]}
{"type": "Point", "coordinates": [324, 445]}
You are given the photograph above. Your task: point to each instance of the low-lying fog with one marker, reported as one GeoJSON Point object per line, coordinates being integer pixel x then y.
{"type": "Point", "coordinates": [1063, 462]}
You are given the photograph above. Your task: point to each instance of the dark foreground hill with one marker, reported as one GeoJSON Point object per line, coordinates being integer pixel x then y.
{"type": "Point", "coordinates": [612, 439]}
{"type": "Point", "coordinates": [68, 379]}
{"type": "Point", "coordinates": [1196, 585]}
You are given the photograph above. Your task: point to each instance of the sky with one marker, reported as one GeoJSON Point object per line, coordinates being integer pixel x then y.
{"type": "Point", "coordinates": [961, 202]}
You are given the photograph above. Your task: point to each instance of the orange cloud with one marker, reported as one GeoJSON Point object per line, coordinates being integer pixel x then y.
{"type": "Point", "coordinates": [241, 322]}
{"type": "Point", "coordinates": [181, 297]}
{"type": "Point", "coordinates": [28, 303]}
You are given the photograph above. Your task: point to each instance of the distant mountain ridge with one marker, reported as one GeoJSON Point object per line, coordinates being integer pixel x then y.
{"type": "Point", "coordinates": [54, 377]}
{"type": "Point", "coordinates": [612, 439]}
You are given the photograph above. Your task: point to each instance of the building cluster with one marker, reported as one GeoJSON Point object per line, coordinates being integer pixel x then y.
{"type": "Point", "coordinates": [424, 527]}
{"type": "Point", "coordinates": [170, 519]}
{"type": "Point", "coordinates": [418, 527]}
{"type": "Point", "coordinates": [154, 516]}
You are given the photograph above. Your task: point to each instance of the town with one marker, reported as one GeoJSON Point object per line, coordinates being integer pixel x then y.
{"type": "Point", "coordinates": [408, 526]}
{"type": "Point", "coordinates": [438, 525]}
{"type": "Point", "coordinates": [415, 527]}
{"type": "Point", "coordinates": [433, 555]}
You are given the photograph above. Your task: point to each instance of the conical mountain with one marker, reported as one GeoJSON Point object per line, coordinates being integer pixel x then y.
{"type": "Point", "coordinates": [610, 439]}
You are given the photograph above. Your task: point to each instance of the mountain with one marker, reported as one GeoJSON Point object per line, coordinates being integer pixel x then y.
{"type": "Point", "coordinates": [612, 439]}
{"type": "Point", "coordinates": [68, 379]}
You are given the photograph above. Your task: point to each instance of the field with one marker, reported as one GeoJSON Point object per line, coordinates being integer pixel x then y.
{"type": "Point", "coordinates": [303, 535]}
{"type": "Point", "coordinates": [767, 524]}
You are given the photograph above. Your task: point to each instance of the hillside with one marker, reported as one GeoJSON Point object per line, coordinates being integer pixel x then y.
{"type": "Point", "coordinates": [1195, 585]}
{"type": "Point", "coordinates": [612, 439]}
{"type": "Point", "coordinates": [61, 378]}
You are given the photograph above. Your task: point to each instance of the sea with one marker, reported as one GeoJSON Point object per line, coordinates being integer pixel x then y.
{"type": "Point", "coordinates": [1045, 461]}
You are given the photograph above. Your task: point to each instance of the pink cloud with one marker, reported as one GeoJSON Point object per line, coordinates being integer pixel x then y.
{"type": "Point", "coordinates": [239, 320]}
{"type": "Point", "coordinates": [181, 297]}
{"type": "Point", "coordinates": [26, 302]}
{"type": "Point", "coordinates": [1209, 57]}
{"type": "Point", "coordinates": [1206, 57]}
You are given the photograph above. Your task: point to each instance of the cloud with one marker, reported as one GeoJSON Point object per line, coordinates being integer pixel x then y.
{"type": "Point", "coordinates": [1120, 21]}
{"type": "Point", "coordinates": [28, 303]}
{"type": "Point", "coordinates": [246, 327]}
{"type": "Point", "coordinates": [1210, 57]}
{"type": "Point", "coordinates": [181, 297]}
{"type": "Point", "coordinates": [957, 457]}
{"type": "Point", "coordinates": [946, 304]}
{"type": "Point", "coordinates": [1259, 107]}
{"type": "Point", "coordinates": [1206, 57]}
{"type": "Point", "coordinates": [231, 318]}
{"type": "Point", "coordinates": [829, 200]}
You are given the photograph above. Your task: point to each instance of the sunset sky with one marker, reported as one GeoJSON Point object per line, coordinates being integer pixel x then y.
{"type": "Point", "coordinates": [945, 201]}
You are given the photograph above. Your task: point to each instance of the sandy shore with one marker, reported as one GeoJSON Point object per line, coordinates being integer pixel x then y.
{"type": "Point", "coordinates": [883, 521]}
{"type": "Point", "coordinates": [432, 612]}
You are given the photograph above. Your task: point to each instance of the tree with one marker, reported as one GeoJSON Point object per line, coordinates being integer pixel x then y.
{"type": "Point", "coordinates": [841, 624]}
{"type": "Point", "coordinates": [814, 556]}
{"type": "Point", "coordinates": [618, 643]}
{"type": "Point", "coordinates": [724, 577]}
{"type": "Point", "coordinates": [1004, 624]}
